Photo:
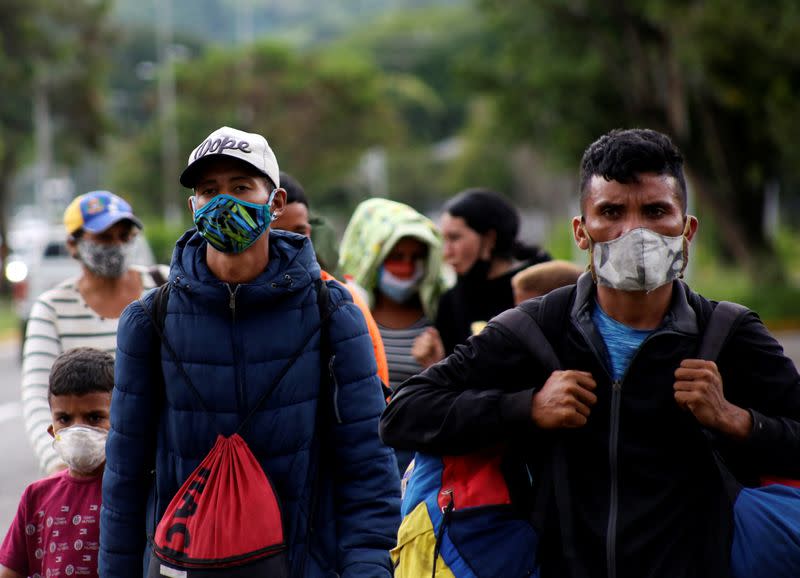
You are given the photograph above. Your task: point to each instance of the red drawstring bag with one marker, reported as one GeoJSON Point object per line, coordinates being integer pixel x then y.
{"type": "Point", "coordinates": [226, 520]}
{"type": "Point", "coordinates": [226, 517]}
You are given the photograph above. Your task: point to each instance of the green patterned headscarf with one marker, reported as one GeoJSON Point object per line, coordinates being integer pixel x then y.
{"type": "Point", "coordinates": [374, 229]}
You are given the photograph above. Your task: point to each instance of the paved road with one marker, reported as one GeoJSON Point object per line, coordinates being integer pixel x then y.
{"type": "Point", "coordinates": [19, 467]}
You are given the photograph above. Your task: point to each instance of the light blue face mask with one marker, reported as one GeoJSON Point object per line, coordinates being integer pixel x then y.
{"type": "Point", "coordinates": [231, 225]}
{"type": "Point", "coordinates": [397, 289]}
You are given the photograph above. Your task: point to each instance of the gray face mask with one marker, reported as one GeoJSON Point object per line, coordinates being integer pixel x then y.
{"type": "Point", "coordinates": [639, 260]}
{"type": "Point", "coordinates": [104, 259]}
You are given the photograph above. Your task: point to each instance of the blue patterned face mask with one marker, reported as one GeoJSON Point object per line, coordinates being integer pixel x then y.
{"type": "Point", "coordinates": [231, 225]}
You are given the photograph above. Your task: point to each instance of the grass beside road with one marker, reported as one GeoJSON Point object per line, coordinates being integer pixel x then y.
{"type": "Point", "coordinates": [9, 324]}
{"type": "Point", "coordinates": [777, 305]}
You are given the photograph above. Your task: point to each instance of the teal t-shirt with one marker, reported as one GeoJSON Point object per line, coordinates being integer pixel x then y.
{"type": "Point", "coordinates": [621, 341]}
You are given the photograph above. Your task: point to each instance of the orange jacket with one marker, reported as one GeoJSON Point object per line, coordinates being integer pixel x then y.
{"type": "Point", "coordinates": [374, 333]}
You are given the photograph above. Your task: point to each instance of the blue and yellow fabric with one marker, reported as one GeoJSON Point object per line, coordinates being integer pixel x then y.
{"type": "Point", "coordinates": [457, 511]}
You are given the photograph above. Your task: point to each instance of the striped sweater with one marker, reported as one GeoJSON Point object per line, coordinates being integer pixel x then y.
{"type": "Point", "coordinates": [397, 343]}
{"type": "Point", "coordinates": [60, 320]}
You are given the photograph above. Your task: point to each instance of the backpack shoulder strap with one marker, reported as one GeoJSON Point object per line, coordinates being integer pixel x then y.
{"type": "Point", "coordinates": [533, 324]}
{"type": "Point", "coordinates": [325, 312]}
{"type": "Point", "coordinates": [724, 320]}
{"type": "Point", "coordinates": [551, 313]}
{"type": "Point", "coordinates": [323, 298]}
{"type": "Point", "coordinates": [324, 410]}
{"type": "Point", "coordinates": [158, 314]}
{"type": "Point", "coordinates": [159, 309]}
{"type": "Point", "coordinates": [518, 322]}
{"type": "Point", "coordinates": [554, 309]}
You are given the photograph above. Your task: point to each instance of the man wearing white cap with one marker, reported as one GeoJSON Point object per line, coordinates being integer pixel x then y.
{"type": "Point", "coordinates": [242, 304]}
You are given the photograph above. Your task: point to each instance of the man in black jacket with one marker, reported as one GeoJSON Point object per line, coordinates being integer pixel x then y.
{"type": "Point", "coordinates": [619, 440]}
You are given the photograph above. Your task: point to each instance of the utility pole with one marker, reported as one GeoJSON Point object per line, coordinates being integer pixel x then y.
{"type": "Point", "coordinates": [42, 135]}
{"type": "Point", "coordinates": [166, 112]}
{"type": "Point", "coordinates": [244, 38]}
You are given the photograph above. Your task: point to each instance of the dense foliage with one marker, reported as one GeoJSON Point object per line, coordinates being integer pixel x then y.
{"type": "Point", "coordinates": [53, 63]}
{"type": "Point", "coordinates": [720, 77]}
{"type": "Point", "coordinates": [417, 99]}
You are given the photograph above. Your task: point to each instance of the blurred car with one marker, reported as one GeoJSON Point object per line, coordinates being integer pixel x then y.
{"type": "Point", "coordinates": [40, 260]}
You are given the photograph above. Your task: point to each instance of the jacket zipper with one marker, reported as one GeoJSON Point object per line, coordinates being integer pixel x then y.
{"type": "Point", "coordinates": [335, 384]}
{"type": "Point", "coordinates": [240, 405]}
{"type": "Point", "coordinates": [613, 459]}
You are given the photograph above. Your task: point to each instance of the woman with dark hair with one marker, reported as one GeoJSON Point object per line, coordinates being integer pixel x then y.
{"type": "Point", "coordinates": [480, 228]}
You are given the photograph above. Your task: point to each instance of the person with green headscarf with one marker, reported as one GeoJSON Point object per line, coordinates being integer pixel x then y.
{"type": "Point", "coordinates": [395, 254]}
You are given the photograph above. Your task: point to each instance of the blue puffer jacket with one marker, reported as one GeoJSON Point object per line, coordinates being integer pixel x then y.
{"type": "Point", "coordinates": [232, 342]}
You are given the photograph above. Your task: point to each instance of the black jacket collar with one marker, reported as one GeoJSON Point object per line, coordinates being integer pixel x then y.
{"type": "Point", "coordinates": [680, 317]}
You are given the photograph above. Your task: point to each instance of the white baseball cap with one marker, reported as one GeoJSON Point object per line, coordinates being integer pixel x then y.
{"type": "Point", "coordinates": [249, 147]}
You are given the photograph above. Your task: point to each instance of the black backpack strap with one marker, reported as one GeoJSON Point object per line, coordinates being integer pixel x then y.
{"type": "Point", "coordinates": [160, 300]}
{"type": "Point", "coordinates": [158, 313]}
{"type": "Point", "coordinates": [724, 320]}
{"type": "Point", "coordinates": [524, 328]}
{"type": "Point", "coordinates": [325, 312]}
{"type": "Point", "coordinates": [722, 323]}
{"type": "Point", "coordinates": [158, 316]}
{"type": "Point", "coordinates": [553, 313]}
{"type": "Point", "coordinates": [532, 328]}
{"type": "Point", "coordinates": [320, 457]}
{"type": "Point", "coordinates": [324, 306]}
{"type": "Point", "coordinates": [551, 318]}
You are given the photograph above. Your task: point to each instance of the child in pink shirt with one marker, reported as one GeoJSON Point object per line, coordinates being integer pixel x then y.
{"type": "Point", "coordinates": [57, 526]}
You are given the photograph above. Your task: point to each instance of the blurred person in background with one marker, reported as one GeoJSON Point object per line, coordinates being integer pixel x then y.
{"type": "Point", "coordinates": [101, 231]}
{"type": "Point", "coordinates": [540, 279]}
{"type": "Point", "coordinates": [296, 219]}
{"type": "Point", "coordinates": [395, 254]}
{"type": "Point", "coordinates": [480, 228]}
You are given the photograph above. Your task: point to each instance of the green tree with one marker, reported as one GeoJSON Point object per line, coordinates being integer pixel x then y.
{"type": "Point", "coordinates": [302, 22]}
{"type": "Point", "coordinates": [52, 52]}
{"type": "Point", "coordinates": [717, 76]}
{"type": "Point", "coordinates": [424, 53]}
{"type": "Point", "coordinates": [318, 110]}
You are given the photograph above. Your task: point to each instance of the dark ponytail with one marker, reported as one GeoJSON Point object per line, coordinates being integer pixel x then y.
{"type": "Point", "coordinates": [529, 253]}
{"type": "Point", "coordinates": [484, 210]}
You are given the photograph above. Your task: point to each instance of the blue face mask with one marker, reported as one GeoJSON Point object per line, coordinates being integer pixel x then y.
{"type": "Point", "coordinates": [397, 289]}
{"type": "Point", "coordinates": [231, 225]}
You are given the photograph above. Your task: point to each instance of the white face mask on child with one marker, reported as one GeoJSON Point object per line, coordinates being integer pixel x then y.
{"type": "Point", "coordinates": [83, 448]}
